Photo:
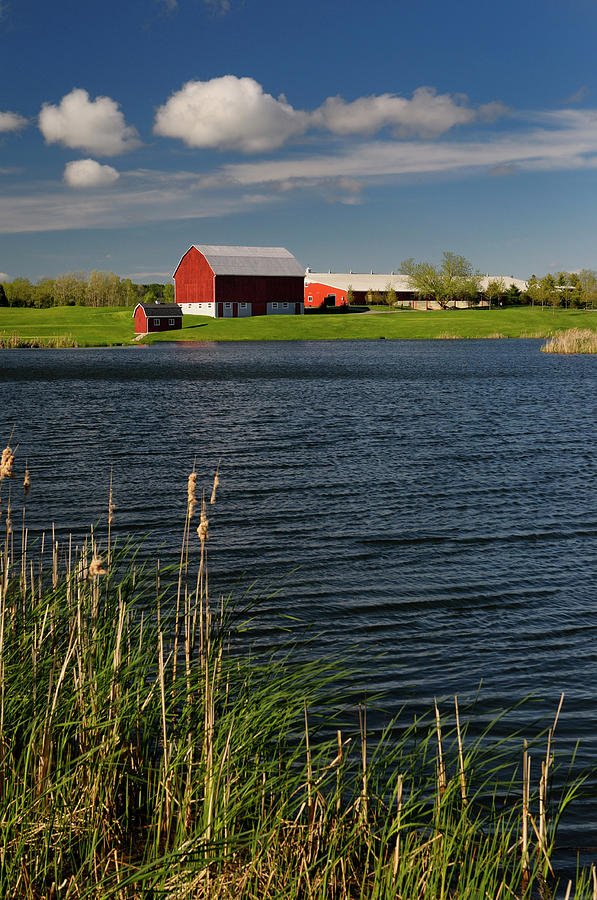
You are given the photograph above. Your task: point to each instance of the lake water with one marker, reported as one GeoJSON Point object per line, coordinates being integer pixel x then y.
{"type": "Point", "coordinates": [424, 509]}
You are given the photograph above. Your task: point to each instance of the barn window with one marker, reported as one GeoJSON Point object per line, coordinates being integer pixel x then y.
{"type": "Point", "coordinates": [286, 306]}
{"type": "Point", "coordinates": [310, 299]}
{"type": "Point", "coordinates": [228, 304]}
{"type": "Point", "coordinates": [244, 305]}
{"type": "Point", "coordinates": [275, 304]}
{"type": "Point", "coordinates": [171, 321]}
{"type": "Point", "coordinates": [157, 321]}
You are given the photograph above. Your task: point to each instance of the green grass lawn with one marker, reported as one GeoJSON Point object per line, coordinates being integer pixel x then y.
{"type": "Point", "coordinates": [114, 325]}
{"type": "Point", "coordinates": [87, 327]}
{"type": "Point", "coordinates": [511, 322]}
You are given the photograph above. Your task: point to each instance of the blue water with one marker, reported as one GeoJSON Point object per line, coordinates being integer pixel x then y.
{"type": "Point", "coordinates": [424, 509]}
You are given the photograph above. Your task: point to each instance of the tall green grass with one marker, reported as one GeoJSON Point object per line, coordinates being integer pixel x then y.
{"type": "Point", "coordinates": [143, 756]}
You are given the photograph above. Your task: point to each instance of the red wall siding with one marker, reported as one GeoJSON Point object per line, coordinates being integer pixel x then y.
{"type": "Point", "coordinates": [140, 322]}
{"type": "Point", "coordinates": [143, 326]}
{"type": "Point", "coordinates": [259, 288]}
{"type": "Point", "coordinates": [319, 291]}
{"type": "Point", "coordinates": [194, 279]}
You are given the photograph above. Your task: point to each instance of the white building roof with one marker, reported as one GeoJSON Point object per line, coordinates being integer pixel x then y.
{"type": "Point", "coordinates": [373, 281]}
{"type": "Point", "coordinates": [250, 260]}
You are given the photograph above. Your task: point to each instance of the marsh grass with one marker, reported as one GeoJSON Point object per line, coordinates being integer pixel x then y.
{"type": "Point", "coordinates": [15, 341]}
{"type": "Point", "coordinates": [574, 340]}
{"type": "Point", "coordinates": [140, 757]}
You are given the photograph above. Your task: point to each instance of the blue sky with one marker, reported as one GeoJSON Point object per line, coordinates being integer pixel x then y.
{"type": "Point", "coordinates": [354, 134]}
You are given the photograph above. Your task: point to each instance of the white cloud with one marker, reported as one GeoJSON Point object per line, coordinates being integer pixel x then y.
{"type": "Point", "coordinates": [428, 114]}
{"type": "Point", "coordinates": [97, 126]}
{"type": "Point", "coordinates": [570, 142]}
{"type": "Point", "coordinates": [84, 173]}
{"type": "Point", "coordinates": [4, 276]}
{"type": "Point", "coordinates": [10, 121]}
{"type": "Point", "coordinates": [229, 113]}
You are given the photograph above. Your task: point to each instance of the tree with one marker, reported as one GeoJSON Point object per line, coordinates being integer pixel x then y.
{"type": "Point", "coordinates": [350, 298]}
{"type": "Point", "coordinates": [495, 291]}
{"type": "Point", "coordinates": [587, 279]}
{"type": "Point", "coordinates": [43, 293]}
{"type": "Point", "coordinates": [391, 295]}
{"type": "Point", "coordinates": [70, 289]}
{"type": "Point", "coordinates": [168, 293]}
{"type": "Point", "coordinates": [19, 292]}
{"type": "Point", "coordinates": [3, 297]}
{"type": "Point", "coordinates": [453, 279]}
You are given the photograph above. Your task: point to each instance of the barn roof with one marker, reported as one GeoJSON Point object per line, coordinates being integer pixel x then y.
{"type": "Point", "coordinates": [359, 281]}
{"type": "Point", "coordinates": [160, 309]}
{"type": "Point", "coordinates": [250, 260]}
{"type": "Point", "coordinates": [371, 281]}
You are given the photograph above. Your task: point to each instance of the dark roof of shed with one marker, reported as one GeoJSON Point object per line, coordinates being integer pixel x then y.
{"type": "Point", "coordinates": [251, 260]}
{"type": "Point", "coordinates": [160, 309]}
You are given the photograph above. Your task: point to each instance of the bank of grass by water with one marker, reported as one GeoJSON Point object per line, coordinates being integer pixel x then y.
{"type": "Point", "coordinates": [142, 757]}
{"type": "Point", "coordinates": [66, 326]}
{"type": "Point", "coordinates": [405, 325]}
{"type": "Point", "coordinates": [108, 326]}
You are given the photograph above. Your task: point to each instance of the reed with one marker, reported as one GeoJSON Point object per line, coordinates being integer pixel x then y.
{"type": "Point", "coordinates": [14, 341]}
{"type": "Point", "coordinates": [140, 756]}
{"type": "Point", "coordinates": [574, 340]}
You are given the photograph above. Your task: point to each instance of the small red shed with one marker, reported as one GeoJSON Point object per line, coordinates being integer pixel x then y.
{"type": "Point", "coordinates": [226, 282]}
{"type": "Point", "coordinates": [150, 317]}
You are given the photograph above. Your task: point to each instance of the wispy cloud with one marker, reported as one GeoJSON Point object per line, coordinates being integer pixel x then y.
{"type": "Point", "coordinates": [568, 140]}
{"type": "Point", "coordinates": [340, 171]}
{"type": "Point", "coordinates": [138, 201]}
{"type": "Point", "coordinates": [10, 121]}
{"type": "Point", "coordinates": [578, 96]}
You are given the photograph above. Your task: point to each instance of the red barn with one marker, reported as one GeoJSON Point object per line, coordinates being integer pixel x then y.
{"type": "Point", "coordinates": [151, 317]}
{"type": "Point", "coordinates": [239, 281]}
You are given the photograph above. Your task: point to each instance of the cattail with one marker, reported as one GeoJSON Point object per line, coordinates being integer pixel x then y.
{"type": "Point", "coordinates": [110, 504]}
{"type": "Point", "coordinates": [216, 483]}
{"type": "Point", "coordinates": [6, 463]}
{"type": "Point", "coordinates": [203, 526]}
{"type": "Point", "coordinates": [8, 521]}
{"type": "Point", "coordinates": [26, 481]}
{"type": "Point", "coordinates": [191, 497]}
{"type": "Point", "coordinates": [96, 567]}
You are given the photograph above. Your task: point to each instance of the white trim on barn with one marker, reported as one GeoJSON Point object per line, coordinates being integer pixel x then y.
{"type": "Point", "coordinates": [199, 309]}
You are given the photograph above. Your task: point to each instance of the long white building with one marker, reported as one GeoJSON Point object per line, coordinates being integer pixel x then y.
{"type": "Point", "coordinates": [331, 288]}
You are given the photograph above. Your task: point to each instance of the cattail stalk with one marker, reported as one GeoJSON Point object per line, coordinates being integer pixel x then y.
{"type": "Point", "coordinates": [460, 755]}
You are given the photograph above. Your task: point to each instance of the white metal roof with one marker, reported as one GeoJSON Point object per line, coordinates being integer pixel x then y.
{"type": "Point", "coordinates": [373, 281]}
{"type": "Point", "coordinates": [250, 260]}
{"type": "Point", "coordinates": [359, 281]}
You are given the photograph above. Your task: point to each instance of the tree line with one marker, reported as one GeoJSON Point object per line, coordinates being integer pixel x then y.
{"type": "Point", "coordinates": [78, 289]}
{"type": "Point", "coordinates": [456, 279]}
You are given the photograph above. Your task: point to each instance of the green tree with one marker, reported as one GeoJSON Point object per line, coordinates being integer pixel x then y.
{"type": "Point", "coordinates": [350, 298]}
{"type": "Point", "coordinates": [168, 293]}
{"type": "Point", "coordinates": [453, 279]}
{"type": "Point", "coordinates": [513, 296]}
{"type": "Point", "coordinates": [70, 289]}
{"type": "Point", "coordinates": [495, 291]}
{"type": "Point", "coordinates": [19, 292]}
{"type": "Point", "coordinates": [391, 295]}
{"type": "Point", "coordinates": [43, 293]}
{"type": "Point", "coordinates": [587, 279]}
{"type": "Point", "coordinates": [3, 297]}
